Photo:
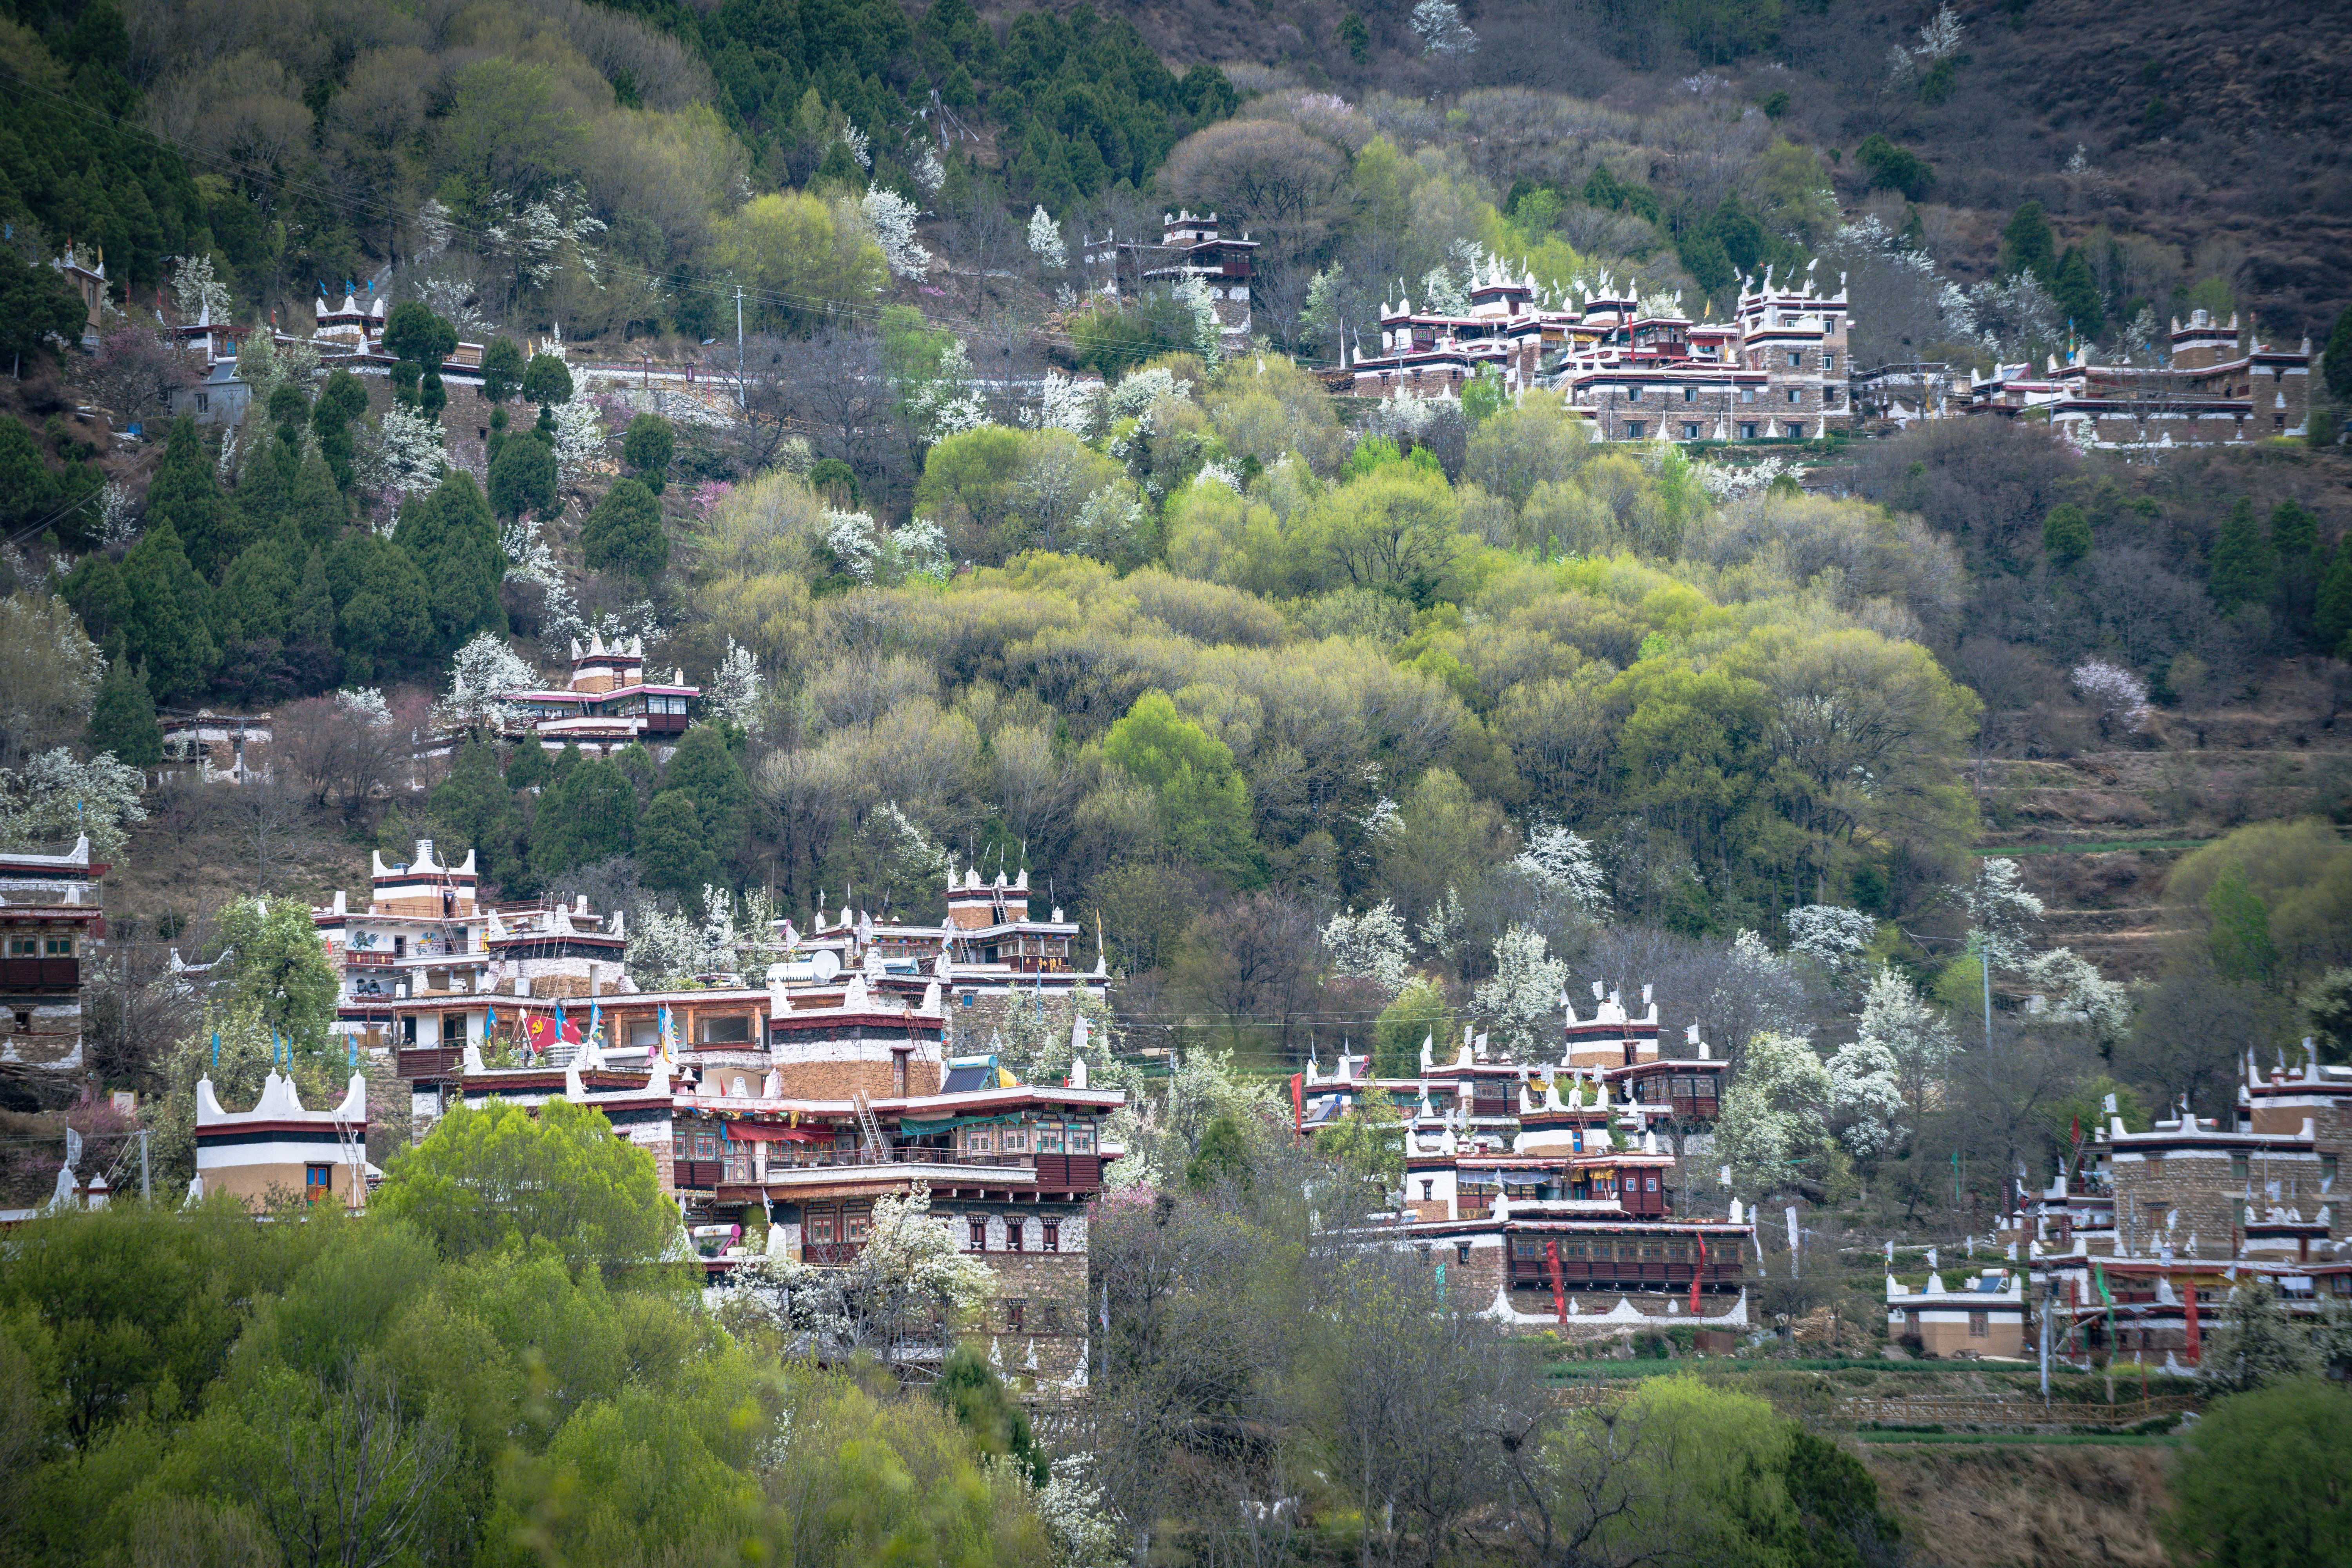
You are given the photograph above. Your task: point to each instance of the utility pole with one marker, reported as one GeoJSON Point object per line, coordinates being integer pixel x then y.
{"type": "Point", "coordinates": [146, 1189]}
{"type": "Point", "coordinates": [740, 399]}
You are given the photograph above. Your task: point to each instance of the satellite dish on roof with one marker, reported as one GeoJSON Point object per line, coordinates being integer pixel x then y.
{"type": "Point", "coordinates": [825, 965]}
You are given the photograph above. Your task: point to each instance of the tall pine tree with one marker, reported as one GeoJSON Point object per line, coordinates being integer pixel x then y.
{"type": "Point", "coordinates": [2331, 612]}
{"type": "Point", "coordinates": [310, 655]}
{"type": "Point", "coordinates": [124, 719]}
{"type": "Point", "coordinates": [2243, 566]}
{"type": "Point", "coordinates": [185, 493]}
{"type": "Point", "coordinates": [450, 536]}
{"type": "Point", "coordinates": [168, 623]}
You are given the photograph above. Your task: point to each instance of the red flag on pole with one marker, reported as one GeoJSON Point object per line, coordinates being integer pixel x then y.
{"type": "Point", "coordinates": [2195, 1346]}
{"type": "Point", "coordinates": [1298, 1101]}
{"type": "Point", "coordinates": [1696, 1275]}
{"type": "Point", "coordinates": [1559, 1290]}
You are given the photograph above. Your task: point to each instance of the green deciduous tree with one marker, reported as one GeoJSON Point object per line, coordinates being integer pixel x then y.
{"type": "Point", "coordinates": [1419, 1014]}
{"type": "Point", "coordinates": [2264, 1478]}
{"type": "Point", "coordinates": [1204, 804]}
{"type": "Point", "coordinates": [273, 962]}
{"type": "Point", "coordinates": [504, 1177]}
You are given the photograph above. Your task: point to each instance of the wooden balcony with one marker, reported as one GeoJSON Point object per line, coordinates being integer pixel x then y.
{"type": "Point", "coordinates": [1625, 1274]}
{"type": "Point", "coordinates": [415, 1062]}
{"type": "Point", "coordinates": [40, 973]}
{"type": "Point", "coordinates": [699, 1176]}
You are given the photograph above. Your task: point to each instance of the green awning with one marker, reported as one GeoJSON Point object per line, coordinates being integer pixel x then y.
{"type": "Point", "coordinates": [913, 1128]}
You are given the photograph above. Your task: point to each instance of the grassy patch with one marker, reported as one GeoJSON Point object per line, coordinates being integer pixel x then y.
{"type": "Point", "coordinates": [2020, 1439]}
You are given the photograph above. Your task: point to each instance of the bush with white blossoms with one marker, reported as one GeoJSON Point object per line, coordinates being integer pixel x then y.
{"type": "Point", "coordinates": [883, 557]}
{"type": "Point", "coordinates": [1830, 935]}
{"type": "Point", "coordinates": [1066, 404]}
{"type": "Point", "coordinates": [1136, 395]}
{"type": "Point", "coordinates": [949, 404]}
{"type": "Point", "coordinates": [1192, 291]}
{"type": "Point", "coordinates": [482, 672]}
{"type": "Point", "coordinates": [930, 173]}
{"type": "Point", "coordinates": [55, 798]}
{"type": "Point", "coordinates": [365, 703]}
{"type": "Point", "coordinates": [1724, 481]}
{"type": "Point", "coordinates": [1369, 946]}
{"type": "Point", "coordinates": [1523, 997]}
{"type": "Point", "coordinates": [579, 439]}
{"type": "Point", "coordinates": [2114, 693]}
{"type": "Point", "coordinates": [1775, 1114]}
{"type": "Point", "coordinates": [1561, 865]}
{"type": "Point", "coordinates": [2002, 910]}
{"type": "Point", "coordinates": [1438, 24]}
{"type": "Point", "coordinates": [1866, 1097]}
{"type": "Point", "coordinates": [910, 1275]}
{"type": "Point", "coordinates": [1084, 1530]}
{"type": "Point", "coordinates": [1045, 242]}
{"type": "Point", "coordinates": [406, 457]}
{"type": "Point", "coordinates": [196, 292]}
{"type": "Point", "coordinates": [1915, 1036]}
{"type": "Point", "coordinates": [891, 216]}
{"type": "Point", "coordinates": [1110, 523]}
{"type": "Point", "coordinates": [2075, 992]}
{"type": "Point", "coordinates": [737, 691]}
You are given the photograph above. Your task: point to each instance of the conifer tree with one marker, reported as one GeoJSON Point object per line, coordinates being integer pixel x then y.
{"type": "Point", "coordinates": [501, 370]}
{"type": "Point", "coordinates": [704, 769]}
{"type": "Point", "coordinates": [2332, 614]}
{"type": "Point", "coordinates": [2337, 359]}
{"type": "Point", "coordinates": [185, 494]}
{"type": "Point", "coordinates": [124, 719]}
{"type": "Point", "coordinates": [673, 853]}
{"type": "Point", "coordinates": [311, 654]}
{"type": "Point", "coordinates": [647, 448]}
{"type": "Point", "coordinates": [317, 508]}
{"type": "Point", "coordinates": [167, 624]}
{"type": "Point", "coordinates": [257, 594]}
{"type": "Point", "coordinates": [265, 490]}
{"type": "Point", "coordinates": [589, 814]}
{"type": "Point", "coordinates": [475, 806]}
{"type": "Point", "coordinates": [386, 624]}
{"type": "Point", "coordinates": [2294, 543]}
{"type": "Point", "coordinates": [522, 479]}
{"type": "Point", "coordinates": [2243, 566]}
{"type": "Point", "coordinates": [2066, 536]}
{"type": "Point", "coordinates": [624, 533]}
{"type": "Point", "coordinates": [2078, 293]}
{"type": "Point", "coordinates": [529, 767]}
{"type": "Point", "coordinates": [2026, 244]}
{"type": "Point", "coordinates": [450, 536]}
{"type": "Point", "coordinates": [342, 400]}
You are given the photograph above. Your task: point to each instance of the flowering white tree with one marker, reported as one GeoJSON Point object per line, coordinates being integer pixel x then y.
{"type": "Point", "coordinates": [196, 291]}
{"type": "Point", "coordinates": [949, 403]}
{"type": "Point", "coordinates": [737, 690]}
{"type": "Point", "coordinates": [579, 439]}
{"type": "Point", "coordinates": [1523, 997]}
{"type": "Point", "coordinates": [1438, 24]}
{"type": "Point", "coordinates": [1208, 332]}
{"type": "Point", "coordinates": [1085, 1530]}
{"type": "Point", "coordinates": [1109, 523]}
{"type": "Point", "coordinates": [860, 145]}
{"type": "Point", "coordinates": [2114, 693]}
{"type": "Point", "coordinates": [2003, 911]}
{"type": "Point", "coordinates": [1830, 935]}
{"type": "Point", "coordinates": [1066, 405]}
{"type": "Point", "coordinates": [1775, 1113]}
{"type": "Point", "coordinates": [1866, 1097]}
{"type": "Point", "coordinates": [911, 1272]}
{"type": "Point", "coordinates": [407, 456]}
{"type": "Point", "coordinates": [1941, 38]}
{"type": "Point", "coordinates": [1142, 390]}
{"type": "Point", "coordinates": [1915, 1036]}
{"type": "Point", "coordinates": [666, 950]}
{"type": "Point", "coordinates": [892, 216]}
{"type": "Point", "coordinates": [930, 173]}
{"type": "Point", "coordinates": [1561, 865]}
{"type": "Point", "coordinates": [1369, 946]}
{"type": "Point", "coordinates": [1443, 294]}
{"type": "Point", "coordinates": [479, 674]}
{"type": "Point", "coordinates": [365, 703]}
{"type": "Point", "coordinates": [54, 799]}
{"type": "Point", "coordinates": [531, 239]}
{"type": "Point", "coordinates": [1045, 242]}
{"type": "Point", "coordinates": [2077, 993]}
{"type": "Point", "coordinates": [872, 553]}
